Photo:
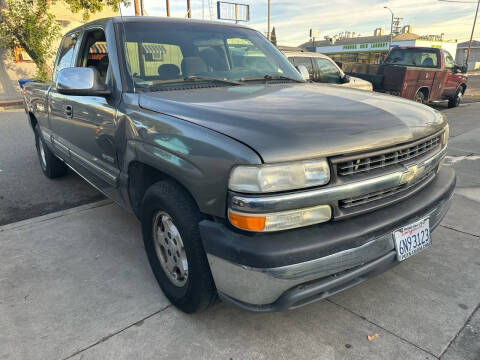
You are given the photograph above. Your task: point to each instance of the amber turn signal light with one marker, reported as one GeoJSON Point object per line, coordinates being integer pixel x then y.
{"type": "Point", "coordinates": [250, 223]}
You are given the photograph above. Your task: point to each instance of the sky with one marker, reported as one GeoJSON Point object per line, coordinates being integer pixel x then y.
{"type": "Point", "coordinates": [294, 18]}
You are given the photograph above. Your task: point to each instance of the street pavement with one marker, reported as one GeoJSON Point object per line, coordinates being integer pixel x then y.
{"type": "Point", "coordinates": [24, 191]}
{"type": "Point", "coordinates": [76, 285]}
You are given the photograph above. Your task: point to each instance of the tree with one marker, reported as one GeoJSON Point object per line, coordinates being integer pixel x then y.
{"type": "Point", "coordinates": [28, 24]}
{"type": "Point", "coordinates": [273, 37]}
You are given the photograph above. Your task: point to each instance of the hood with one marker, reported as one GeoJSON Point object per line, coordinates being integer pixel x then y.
{"type": "Point", "coordinates": [284, 122]}
{"type": "Point", "coordinates": [357, 83]}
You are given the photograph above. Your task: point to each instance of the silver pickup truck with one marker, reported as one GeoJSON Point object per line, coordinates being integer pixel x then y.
{"type": "Point", "coordinates": [250, 183]}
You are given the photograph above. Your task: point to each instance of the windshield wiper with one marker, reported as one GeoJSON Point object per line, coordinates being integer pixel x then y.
{"type": "Point", "coordinates": [270, 77]}
{"type": "Point", "coordinates": [205, 78]}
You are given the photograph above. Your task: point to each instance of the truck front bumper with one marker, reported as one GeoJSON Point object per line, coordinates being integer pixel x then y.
{"type": "Point", "coordinates": [276, 271]}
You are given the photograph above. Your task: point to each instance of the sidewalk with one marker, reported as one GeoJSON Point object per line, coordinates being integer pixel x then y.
{"type": "Point", "coordinates": [77, 285]}
{"type": "Point", "coordinates": [78, 282]}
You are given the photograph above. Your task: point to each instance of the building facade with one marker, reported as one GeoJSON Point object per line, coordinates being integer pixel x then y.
{"type": "Point", "coordinates": [474, 59]}
{"type": "Point", "coordinates": [374, 49]}
{"type": "Point", "coordinates": [17, 64]}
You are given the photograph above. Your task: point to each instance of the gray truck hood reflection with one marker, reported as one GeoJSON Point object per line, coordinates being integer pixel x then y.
{"type": "Point", "coordinates": [284, 122]}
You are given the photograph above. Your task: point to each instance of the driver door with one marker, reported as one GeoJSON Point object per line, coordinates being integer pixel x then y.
{"type": "Point", "coordinates": [89, 128]}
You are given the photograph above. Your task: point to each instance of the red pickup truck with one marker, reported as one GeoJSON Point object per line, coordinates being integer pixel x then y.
{"type": "Point", "coordinates": [418, 73]}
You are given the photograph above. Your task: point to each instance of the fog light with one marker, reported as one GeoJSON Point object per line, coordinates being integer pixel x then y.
{"type": "Point", "coordinates": [281, 220]}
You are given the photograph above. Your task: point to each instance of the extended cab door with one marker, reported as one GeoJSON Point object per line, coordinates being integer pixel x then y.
{"type": "Point", "coordinates": [88, 127]}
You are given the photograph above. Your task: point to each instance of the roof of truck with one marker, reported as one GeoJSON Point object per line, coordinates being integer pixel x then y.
{"type": "Point", "coordinates": [156, 19]}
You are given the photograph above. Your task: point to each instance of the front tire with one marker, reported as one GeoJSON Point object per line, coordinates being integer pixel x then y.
{"type": "Point", "coordinates": [456, 100]}
{"type": "Point", "coordinates": [52, 167]}
{"type": "Point", "coordinates": [174, 248]}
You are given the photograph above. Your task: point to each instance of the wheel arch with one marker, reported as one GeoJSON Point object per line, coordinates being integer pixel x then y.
{"type": "Point", "coordinates": [142, 176]}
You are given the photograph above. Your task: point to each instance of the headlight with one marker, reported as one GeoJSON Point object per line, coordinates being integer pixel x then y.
{"type": "Point", "coordinates": [445, 135]}
{"type": "Point", "coordinates": [279, 177]}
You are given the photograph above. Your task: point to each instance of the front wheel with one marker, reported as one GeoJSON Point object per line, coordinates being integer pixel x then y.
{"type": "Point", "coordinates": [174, 248]}
{"type": "Point", "coordinates": [456, 100]}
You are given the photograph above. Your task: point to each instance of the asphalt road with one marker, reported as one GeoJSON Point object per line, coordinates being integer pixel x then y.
{"type": "Point", "coordinates": [24, 191]}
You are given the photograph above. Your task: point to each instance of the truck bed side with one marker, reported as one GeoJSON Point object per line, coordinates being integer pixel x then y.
{"type": "Point", "coordinates": [36, 102]}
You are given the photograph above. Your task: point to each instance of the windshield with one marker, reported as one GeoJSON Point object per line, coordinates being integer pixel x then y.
{"type": "Point", "coordinates": [413, 57]}
{"type": "Point", "coordinates": [160, 54]}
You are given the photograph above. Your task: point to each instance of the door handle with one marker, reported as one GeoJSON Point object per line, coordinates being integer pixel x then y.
{"type": "Point", "coordinates": [69, 111]}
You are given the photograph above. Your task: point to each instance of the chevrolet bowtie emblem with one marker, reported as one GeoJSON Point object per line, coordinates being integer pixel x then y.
{"type": "Point", "coordinates": [411, 173]}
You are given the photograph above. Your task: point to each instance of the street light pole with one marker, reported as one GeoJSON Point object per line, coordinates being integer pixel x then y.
{"type": "Point", "coordinates": [391, 26]}
{"type": "Point", "coordinates": [268, 26]}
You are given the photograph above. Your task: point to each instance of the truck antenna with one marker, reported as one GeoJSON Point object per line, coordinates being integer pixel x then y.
{"type": "Point", "coordinates": [125, 45]}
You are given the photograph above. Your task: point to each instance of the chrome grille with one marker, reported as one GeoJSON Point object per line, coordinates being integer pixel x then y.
{"type": "Point", "coordinates": [377, 195]}
{"type": "Point", "coordinates": [382, 159]}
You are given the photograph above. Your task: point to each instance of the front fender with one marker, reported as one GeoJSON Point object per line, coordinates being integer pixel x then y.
{"type": "Point", "coordinates": [198, 158]}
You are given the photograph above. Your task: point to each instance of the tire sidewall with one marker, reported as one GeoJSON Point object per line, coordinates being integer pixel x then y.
{"type": "Point", "coordinates": [40, 143]}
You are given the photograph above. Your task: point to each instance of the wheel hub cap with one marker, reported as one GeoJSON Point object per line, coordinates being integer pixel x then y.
{"type": "Point", "coordinates": [169, 249]}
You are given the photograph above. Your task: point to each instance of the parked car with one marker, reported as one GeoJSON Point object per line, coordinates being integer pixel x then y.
{"type": "Point", "coordinates": [417, 73]}
{"type": "Point", "coordinates": [248, 182]}
{"type": "Point", "coordinates": [322, 69]}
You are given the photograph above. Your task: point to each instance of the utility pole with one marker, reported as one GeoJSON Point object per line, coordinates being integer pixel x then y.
{"type": "Point", "coordinates": [471, 36]}
{"type": "Point", "coordinates": [167, 3]}
{"type": "Point", "coordinates": [391, 26]}
{"type": "Point", "coordinates": [137, 8]}
{"type": "Point", "coordinates": [189, 9]}
{"type": "Point", "coordinates": [268, 26]}
{"type": "Point", "coordinates": [473, 27]}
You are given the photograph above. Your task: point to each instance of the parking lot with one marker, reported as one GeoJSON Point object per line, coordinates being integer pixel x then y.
{"type": "Point", "coordinates": [75, 282]}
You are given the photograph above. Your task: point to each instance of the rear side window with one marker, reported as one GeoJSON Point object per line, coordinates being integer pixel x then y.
{"type": "Point", "coordinates": [413, 57]}
{"type": "Point", "coordinates": [65, 55]}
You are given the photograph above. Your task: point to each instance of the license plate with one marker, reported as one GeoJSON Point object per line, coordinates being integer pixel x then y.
{"type": "Point", "coordinates": [412, 239]}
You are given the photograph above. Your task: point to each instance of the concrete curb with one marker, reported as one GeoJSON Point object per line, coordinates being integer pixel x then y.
{"type": "Point", "coordinates": [33, 221]}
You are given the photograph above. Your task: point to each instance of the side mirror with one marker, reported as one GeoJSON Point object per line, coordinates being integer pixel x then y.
{"type": "Point", "coordinates": [302, 69]}
{"type": "Point", "coordinates": [346, 79]}
{"type": "Point", "coordinates": [81, 81]}
{"type": "Point", "coordinates": [460, 68]}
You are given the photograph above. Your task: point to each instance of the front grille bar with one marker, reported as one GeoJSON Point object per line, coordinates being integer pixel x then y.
{"type": "Point", "coordinates": [351, 165]}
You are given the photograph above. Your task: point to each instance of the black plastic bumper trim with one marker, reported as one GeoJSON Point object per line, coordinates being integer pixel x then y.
{"type": "Point", "coordinates": [267, 250]}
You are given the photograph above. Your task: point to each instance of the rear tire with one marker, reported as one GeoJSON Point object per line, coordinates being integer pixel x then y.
{"type": "Point", "coordinates": [420, 97]}
{"type": "Point", "coordinates": [52, 167]}
{"type": "Point", "coordinates": [174, 247]}
{"type": "Point", "coordinates": [456, 100]}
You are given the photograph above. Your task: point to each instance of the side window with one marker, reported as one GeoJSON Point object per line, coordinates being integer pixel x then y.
{"type": "Point", "coordinates": [449, 62]}
{"type": "Point", "coordinates": [94, 53]}
{"type": "Point", "coordinates": [307, 62]}
{"type": "Point", "coordinates": [327, 71]}
{"type": "Point", "coordinates": [65, 55]}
